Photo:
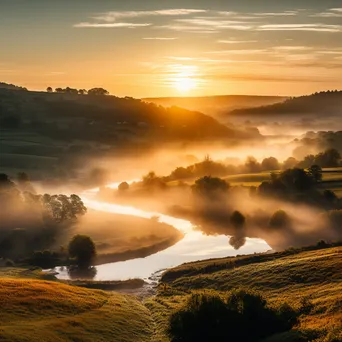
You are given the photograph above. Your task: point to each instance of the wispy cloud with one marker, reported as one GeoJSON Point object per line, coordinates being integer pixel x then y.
{"type": "Point", "coordinates": [160, 38]}
{"type": "Point", "coordinates": [331, 13]}
{"type": "Point", "coordinates": [217, 24]}
{"type": "Point", "coordinates": [111, 25]}
{"type": "Point", "coordinates": [113, 16]}
{"type": "Point", "coordinates": [261, 77]}
{"type": "Point", "coordinates": [276, 14]}
{"type": "Point", "coordinates": [224, 41]}
{"type": "Point", "coordinates": [301, 27]}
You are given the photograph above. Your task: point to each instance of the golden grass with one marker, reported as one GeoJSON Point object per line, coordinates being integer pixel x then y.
{"type": "Point", "coordinates": [35, 310]}
{"type": "Point", "coordinates": [315, 275]}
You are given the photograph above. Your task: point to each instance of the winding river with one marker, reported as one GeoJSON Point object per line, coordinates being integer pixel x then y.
{"type": "Point", "coordinates": [194, 246]}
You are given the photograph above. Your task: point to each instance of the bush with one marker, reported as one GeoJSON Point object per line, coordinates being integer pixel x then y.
{"type": "Point", "coordinates": [82, 248]}
{"type": "Point", "coordinates": [240, 316]}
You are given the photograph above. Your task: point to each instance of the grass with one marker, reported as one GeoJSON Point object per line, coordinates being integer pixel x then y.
{"type": "Point", "coordinates": [315, 275]}
{"type": "Point", "coordinates": [33, 310]}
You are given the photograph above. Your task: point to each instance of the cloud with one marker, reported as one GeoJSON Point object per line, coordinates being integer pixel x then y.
{"type": "Point", "coordinates": [111, 25]}
{"type": "Point", "coordinates": [291, 48]}
{"type": "Point", "coordinates": [113, 16]}
{"type": "Point", "coordinates": [160, 38]}
{"type": "Point", "coordinates": [331, 13]}
{"type": "Point", "coordinates": [301, 27]}
{"type": "Point", "coordinates": [239, 51]}
{"type": "Point", "coordinates": [276, 14]}
{"type": "Point", "coordinates": [266, 78]}
{"type": "Point", "coordinates": [223, 41]}
{"type": "Point", "coordinates": [216, 24]}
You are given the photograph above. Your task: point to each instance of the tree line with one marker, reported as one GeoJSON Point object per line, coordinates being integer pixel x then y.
{"type": "Point", "coordinates": [73, 91]}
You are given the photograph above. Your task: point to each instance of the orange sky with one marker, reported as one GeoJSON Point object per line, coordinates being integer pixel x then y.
{"type": "Point", "coordinates": [195, 49]}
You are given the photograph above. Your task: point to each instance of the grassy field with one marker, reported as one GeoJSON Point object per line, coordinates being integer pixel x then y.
{"type": "Point", "coordinates": [314, 275]}
{"type": "Point", "coordinates": [36, 310]}
{"type": "Point", "coordinates": [332, 179]}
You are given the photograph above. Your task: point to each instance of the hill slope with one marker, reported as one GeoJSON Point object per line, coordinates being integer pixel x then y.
{"type": "Point", "coordinates": [215, 105]}
{"type": "Point", "coordinates": [35, 310]}
{"type": "Point", "coordinates": [325, 102]}
{"type": "Point", "coordinates": [287, 276]}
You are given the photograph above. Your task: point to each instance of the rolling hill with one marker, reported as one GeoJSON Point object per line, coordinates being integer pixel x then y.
{"type": "Point", "coordinates": [36, 310]}
{"type": "Point", "coordinates": [216, 105]}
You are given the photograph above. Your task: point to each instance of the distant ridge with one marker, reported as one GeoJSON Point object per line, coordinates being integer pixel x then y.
{"type": "Point", "coordinates": [326, 102]}
{"type": "Point", "coordinates": [9, 86]}
{"type": "Point", "coordinates": [218, 104]}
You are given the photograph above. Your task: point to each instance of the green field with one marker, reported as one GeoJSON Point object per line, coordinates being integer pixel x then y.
{"type": "Point", "coordinates": [332, 179]}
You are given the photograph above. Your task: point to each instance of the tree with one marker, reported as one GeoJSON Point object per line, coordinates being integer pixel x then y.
{"type": "Point", "coordinates": [279, 219]}
{"type": "Point", "coordinates": [240, 316]}
{"type": "Point", "coordinates": [270, 163]}
{"type": "Point", "coordinates": [83, 249]}
{"type": "Point", "coordinates": [237, 220]}
{"type": "Point", "coordinates": [315, 172]}
{"type": "Point", "coordinates": [290, 163]}
{"type": "Point", "coordinates": [82, 91]}
{"type": "Point", "coordinates": [98, 91]}
{"type": "Point", "coordinates": [329, 158]}
{"type": "Point", "coordinates": [210, 187]}
{"type": "Point", "coordinates": [49, 90]}
{"type": "Point", "coordinates": [252, 165]}
{"type": "Point", "coordinates": [124, 186]}
{"type": "Point", "coordinates": [62, 208]}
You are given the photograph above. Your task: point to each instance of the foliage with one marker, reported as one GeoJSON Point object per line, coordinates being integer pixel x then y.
{"type": "Point", "coordinates": [315, 171]}
{"type": "Point", "coordinates": [210, 187]}
{"type": "Point", "coordinates": [279, 220]}
{"type": "Point", "coordinates": [123, 186]}
{"type": "Point", "coordinates": [237, 220]}
{"type": "Point", "coordinates": [83, 249]}
{"type": "Point", "coordinates": [98, 91]}
{"type": "Point", "coordinates": [240, 316]}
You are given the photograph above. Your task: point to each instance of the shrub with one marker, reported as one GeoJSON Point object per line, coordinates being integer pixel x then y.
{"type": "Point", "coordinates": [240, 316]}
{"type": "Point", "coordinates": [82, 248]}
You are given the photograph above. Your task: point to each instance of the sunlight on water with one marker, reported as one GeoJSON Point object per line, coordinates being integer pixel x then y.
{"type": "Point", "coordinates": [194, 246]}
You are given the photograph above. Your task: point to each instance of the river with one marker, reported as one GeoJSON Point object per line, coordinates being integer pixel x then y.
{"type": "Point", "coordinates": [194, 246]}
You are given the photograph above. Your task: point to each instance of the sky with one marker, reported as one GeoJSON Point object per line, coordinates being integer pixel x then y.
{"type": "Point", "coordinates": [155, 48]}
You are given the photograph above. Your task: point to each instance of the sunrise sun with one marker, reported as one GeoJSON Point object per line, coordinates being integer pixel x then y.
{"type": "Point", "coordinates": [184, 84]}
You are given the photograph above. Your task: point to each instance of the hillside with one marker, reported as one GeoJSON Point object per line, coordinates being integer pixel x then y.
{"type": "Point", "coordinates": [36, 310]}
{"type": "Point", "coordinates": [325, 102]}
{"type": "Point", "coordinates": [293, 276]}
{"type": "Point", "coordinates": [53, 134]}
{"type": "Point", "coordinates": [216, 105]}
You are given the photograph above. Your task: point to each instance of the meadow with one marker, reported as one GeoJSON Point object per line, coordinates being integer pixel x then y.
{"type": "Point", "coordinates": [312, 277]}
{"type": "Point", "coordinates": [34, 310]}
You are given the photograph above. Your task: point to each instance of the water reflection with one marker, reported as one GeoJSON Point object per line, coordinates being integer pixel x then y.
{"type": "Point", "coordinates": [194, 246]}
{"type": "Point", "coordinates": [79, 273]}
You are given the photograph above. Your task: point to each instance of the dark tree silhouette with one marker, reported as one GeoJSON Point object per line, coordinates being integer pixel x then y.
{"type": "Point", "coordinates": [237, 220]}
{"type": "Point", "coordinates": [269, 164]}
{"type": "Point", "coordinates": [315, 172]}
{"type": "Point", "coordinates": [279, 219]}
{"type": "Point", "coordinates": [210, 187]}
{"type": "Point", "coordinates": [98, 91]}
{"type": "Point", "coordinates": [124, 186]}
{"type": "Point", "coordinates": [241, 316]}
{"type": "Point", "coordinates": [49, 90]}
{"type": "Point", "coordinates": [83, 249]}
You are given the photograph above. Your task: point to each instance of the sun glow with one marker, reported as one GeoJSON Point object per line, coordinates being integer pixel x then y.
{"type": "Point", "coordinates": [185, 77]}
{"type": "Point", "coordinates": [185, 84]}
